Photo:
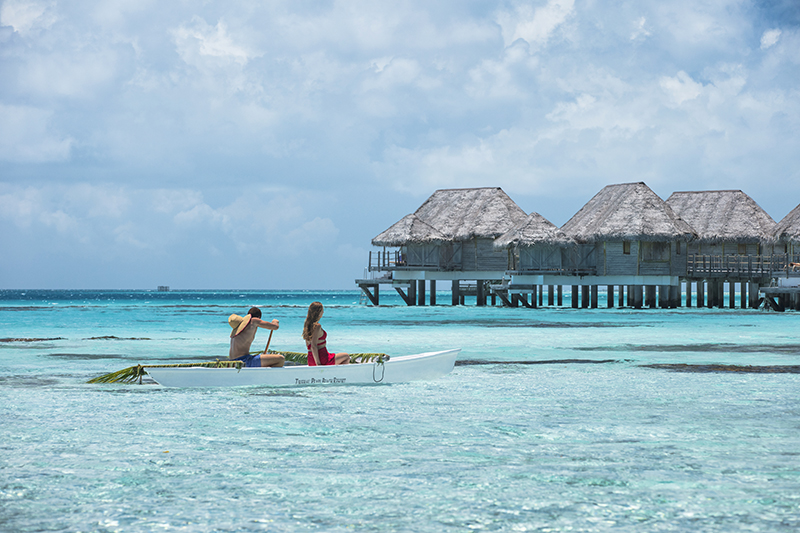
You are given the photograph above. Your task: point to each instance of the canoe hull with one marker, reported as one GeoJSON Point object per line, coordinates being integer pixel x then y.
{"type": "Point", "coordinates": [423, 366]}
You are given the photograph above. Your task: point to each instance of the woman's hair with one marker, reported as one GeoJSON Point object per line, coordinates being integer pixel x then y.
{"type": "Point", "coordinates": [312, 319]}
{"type": "Point", "coordinates": [254, 312]}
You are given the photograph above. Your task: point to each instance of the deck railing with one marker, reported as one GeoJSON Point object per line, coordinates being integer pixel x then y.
{"type": "Point", "coordinates": [388, 260]}
{"type": "Point", "coordinates": [743, 266]}
{"type": "Point", "coordinates": [697, 265]}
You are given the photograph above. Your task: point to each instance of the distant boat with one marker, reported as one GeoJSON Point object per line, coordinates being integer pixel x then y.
{"type": "Point", "coordinates": [418, 367]}
{"type": "Point", "coordinates": [163, 288]}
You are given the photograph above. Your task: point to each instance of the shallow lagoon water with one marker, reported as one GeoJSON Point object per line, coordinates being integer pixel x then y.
{"type": "Point", "coordinates": [554, 420]}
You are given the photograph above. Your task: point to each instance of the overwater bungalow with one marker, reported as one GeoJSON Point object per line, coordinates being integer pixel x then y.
{"type": "Point", "coordinates": [536, 246]}
{"type": "Point", "coordinates": [625, 236]}
{"type": "Point", "coordinates": [787, 234]}
{"type": "Point", "coordinates": [787, 237]}
{"type": "Point", "coordinates": [726, 222]}
{"type": "Point", "coordinates": [450, 237]}
{"type": "Point", "coordinates": [734, 243]}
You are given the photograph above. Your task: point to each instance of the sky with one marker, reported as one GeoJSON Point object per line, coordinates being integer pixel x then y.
{"type": "Point", "coordinates": [262, 145]}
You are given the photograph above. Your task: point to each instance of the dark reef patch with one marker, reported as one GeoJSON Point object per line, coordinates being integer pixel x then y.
{"type": "Point", "coordinates": [746, 369]}
{"type": "Point", "coordinates": [472, 362]}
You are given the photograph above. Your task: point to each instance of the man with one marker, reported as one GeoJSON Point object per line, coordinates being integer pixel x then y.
{"type": "Point", "coordinates": [243, 334]}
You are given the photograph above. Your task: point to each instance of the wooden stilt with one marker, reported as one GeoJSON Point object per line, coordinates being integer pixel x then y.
{"type": "Point", "coordinates": [421, 292]}
{"type": "Point", "coordinates": [373, 297]}
{"type": "Point", "coordinates": [584, 296]}
{"type": "Point", "coordinates": [663, 296]}
{"type": "Point", "coordinates": [650, 296]}
{"type": "Point", "coordinates": [638, 291]}
{"type": "Point", "coordinates": [534, 297]}
{"type": "Point", "coordinates": [593, 291]}
{"type": "Point", "coordinates": [743, 294]}
{"type": "Point", "coordinates": [541, 295]}
{"type": "Point", "coordinates": [621, 302]}
{"type": "Point", "coordinates": [610, 296]}
{"type": "Point", "coordinates": [731, 295]}
{"type": "Point", "coordinates": [456, 298]}
{"type": "Point", "coordinates": [560, 296]}
{"type": "Point", "coordinates": [433, 291]}
{"type": "Point", "coordinates": [407, 297]}
{"type": "Point", "coordinates": [688, 293]}
{"type": "Point", "coordinates": [550, 295]}
{"type": "Point", "coordinates": [575, 297]}
{"type": "Point", "coordinates": [480, 293]}
{"type": "Point", "coordinates": [701, 295]}
{"type": "Point", "coordinates": [674, 296]}
{"type": "Point", "coordinates": [753, 290]}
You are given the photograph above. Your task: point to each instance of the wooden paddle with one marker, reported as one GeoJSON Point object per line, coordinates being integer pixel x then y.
{"type": "Point", "coordinates": [268, 341]}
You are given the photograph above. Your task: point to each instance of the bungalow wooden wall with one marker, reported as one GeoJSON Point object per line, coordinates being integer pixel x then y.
{"type": "Point", "coordinates": [673, 265]}
{"type": "Point", "coordinates": [480, 254]}
{"type": "Point", "coordinates": [616, 263]}
{"type": "Point", "coordinates": [540, 257]}
{"type": "Point", "coordinates": [421, 255]}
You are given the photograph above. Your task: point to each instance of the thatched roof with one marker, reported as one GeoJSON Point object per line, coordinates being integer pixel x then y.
{"type": "Point", "coordinates": [458, 215]}
{"type": "Point", "coordinates": [717, 216]}
{"type": "Point", "coordinates": [627, 212]}
{"type": "Point", "coordinates": [534, 230]}
{"type": "Point", "coordinates": [409, 229]}
{"type": "Point", "coordinates": [788, 229]}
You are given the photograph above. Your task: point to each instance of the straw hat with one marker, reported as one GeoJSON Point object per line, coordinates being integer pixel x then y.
{"type": "Point", "coordinates": [238, 323]}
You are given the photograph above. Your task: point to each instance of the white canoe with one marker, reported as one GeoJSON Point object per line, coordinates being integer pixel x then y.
{"type": "Point", "coordinates": [422, 366]}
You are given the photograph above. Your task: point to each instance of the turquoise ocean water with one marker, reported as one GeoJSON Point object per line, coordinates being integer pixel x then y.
{"type": "Point", "coordinates": [553, 420]}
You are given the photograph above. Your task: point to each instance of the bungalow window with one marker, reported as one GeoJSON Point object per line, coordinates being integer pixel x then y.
{"type": "Point", "coordinates": [678, 248]}
{"type": "Point", "coordinates": [626, 247]}
{"type": "Point", "coordinates": [742, 249]}
{"type": "Point", "coordinates": [655, 251]}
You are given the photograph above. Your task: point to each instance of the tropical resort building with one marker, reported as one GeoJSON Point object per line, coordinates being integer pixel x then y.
{"type": "Point", "coordinates": [535, 248]}
{"type": "Point", "coordinates": [625, 242]}
{"type": "Point", "coordinates": [787, 238]}
{"type": "Point", "coordinates": [449, 238]}
{"type": "Point", "coordinates": [734, 244]}
{"type": "Point", "coordinates": [624, 237]}
{"type": "Point", "coordinates": [787, 235]}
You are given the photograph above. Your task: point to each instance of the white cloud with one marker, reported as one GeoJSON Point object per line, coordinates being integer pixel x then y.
{"type": "Point", "coordinates": [770, 38]}
{"type": "Point", "coordinates": [534, 25]}
{"type": "Point", "coordinates": [681, 88]}
{"type": "Point", "coordinates": [197, 42]}
{"type": "Point", "coordinates": [24, 15]}
{"type": "Point", "coordinates": [640, 30]}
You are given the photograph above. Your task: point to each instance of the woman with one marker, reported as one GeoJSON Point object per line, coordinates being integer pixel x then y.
{"type": "Point", "coordinates": [316, 342]}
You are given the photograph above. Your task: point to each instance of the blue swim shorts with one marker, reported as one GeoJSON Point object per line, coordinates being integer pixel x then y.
{"type": "Point", "coordinates": [250, 360]}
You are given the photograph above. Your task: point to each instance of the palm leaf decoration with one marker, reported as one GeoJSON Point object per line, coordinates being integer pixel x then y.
{"type": "Point", "coordinates": [135, 373]}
